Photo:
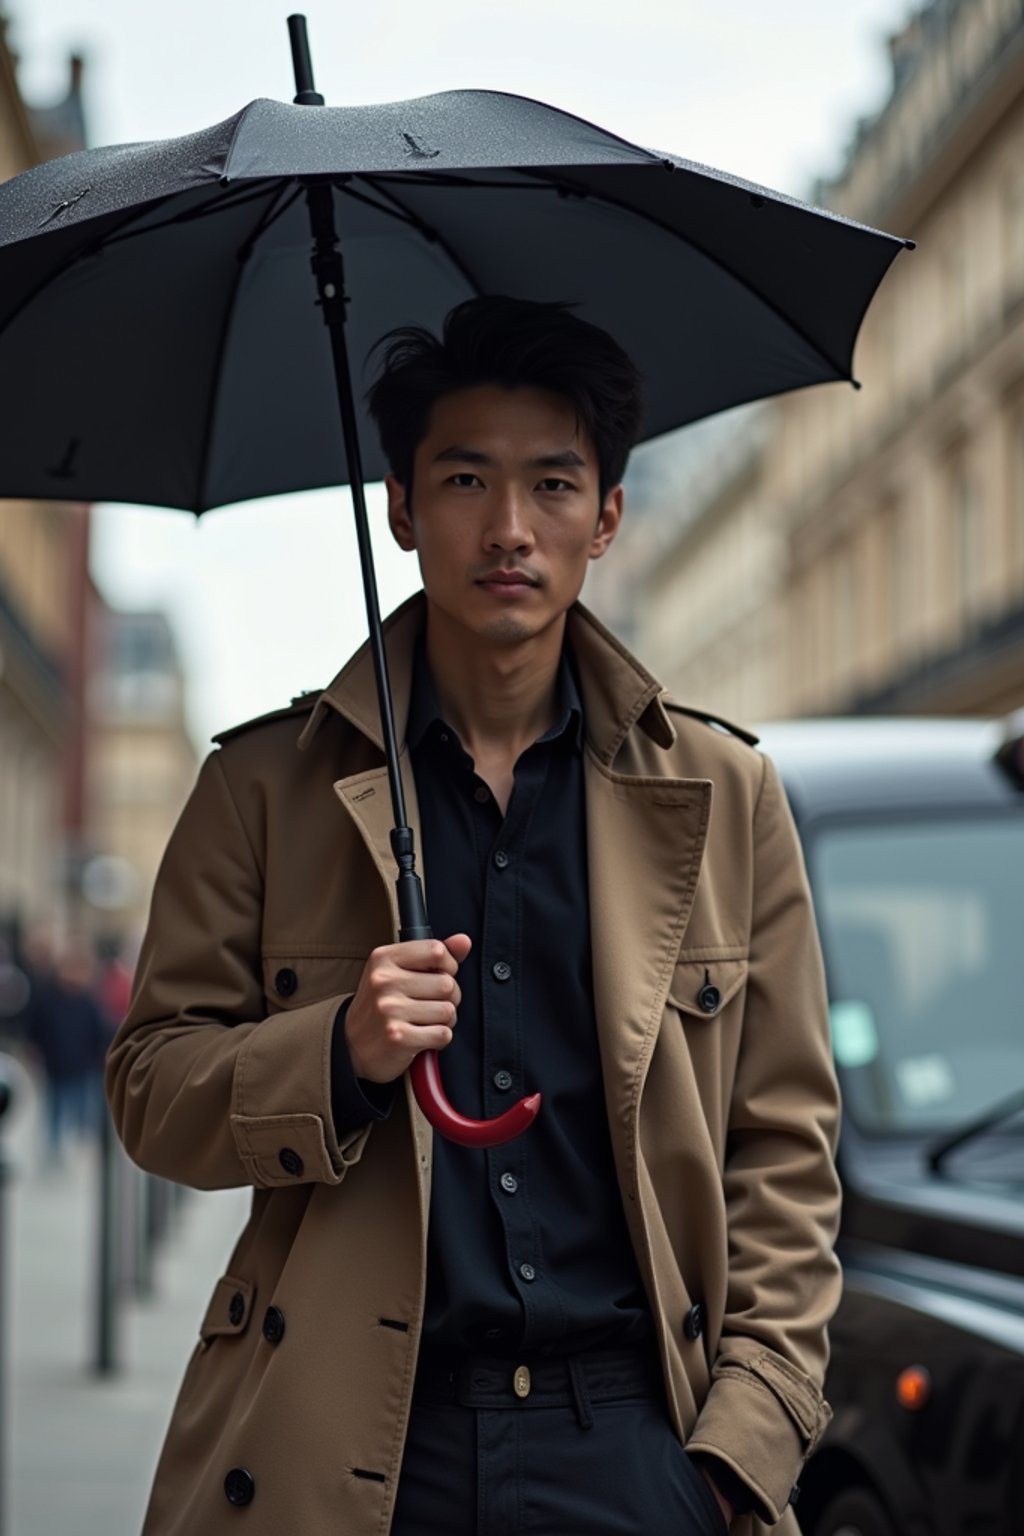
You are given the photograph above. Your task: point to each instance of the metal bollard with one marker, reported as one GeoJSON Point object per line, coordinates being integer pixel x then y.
{"type": "Point", "coordinates": [106, 1355]}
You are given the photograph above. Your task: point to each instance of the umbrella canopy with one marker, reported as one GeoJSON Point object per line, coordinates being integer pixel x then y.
{"type": "Point", "coordinates": [161, 295]}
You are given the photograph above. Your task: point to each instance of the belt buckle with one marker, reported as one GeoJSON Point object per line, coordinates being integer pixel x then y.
{"type": "Point", "coordinates": [521, 1383]}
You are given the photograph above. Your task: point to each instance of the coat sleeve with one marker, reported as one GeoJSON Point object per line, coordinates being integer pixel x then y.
{"type": "Point", "coordinates": [765, 1412]}
{"type": "Point", "coordinates": [203, 1088]}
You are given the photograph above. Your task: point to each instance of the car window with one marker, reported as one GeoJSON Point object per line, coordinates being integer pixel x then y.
{"type": "Point", "coordinates": [924, 946]}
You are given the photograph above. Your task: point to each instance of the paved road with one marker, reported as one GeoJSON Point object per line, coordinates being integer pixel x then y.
{"type": "Point", "coordinates": [80, 1450]}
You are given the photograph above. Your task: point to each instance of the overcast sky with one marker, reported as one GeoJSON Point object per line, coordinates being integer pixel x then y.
{"type": "Point", "coordinates": [266, 604]}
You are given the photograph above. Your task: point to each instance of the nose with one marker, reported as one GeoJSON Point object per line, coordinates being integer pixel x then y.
{"type": "Point", "coordinates": [508, 525]}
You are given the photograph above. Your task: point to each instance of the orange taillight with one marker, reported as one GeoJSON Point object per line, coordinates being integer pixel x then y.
{"type": "Point", "coordinates": [913, 1387]}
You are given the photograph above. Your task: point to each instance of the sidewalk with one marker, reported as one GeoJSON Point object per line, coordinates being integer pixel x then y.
{"type": "Point", "coordinates": [80, 1451]}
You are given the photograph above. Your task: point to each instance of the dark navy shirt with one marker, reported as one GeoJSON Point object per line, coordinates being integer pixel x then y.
{"type": "Point", "coordinates": [528, 1249]}
{"type": "Point", "coordinates": [528, 1246]}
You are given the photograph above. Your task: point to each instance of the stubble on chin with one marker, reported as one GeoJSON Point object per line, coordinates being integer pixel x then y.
{"type": "Point", "coordinates": [506, 629]}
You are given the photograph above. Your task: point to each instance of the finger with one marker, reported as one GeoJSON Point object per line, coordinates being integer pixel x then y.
{"type": "Point", "coordinates": [432, 986]}
{"type": "Point", "coordinates": [406, 1010]}
{"type": "Point", "coordinates": [413, 1038]}
{"type": "Point", "coordinates": [458, 946]}
{"type": "Point", "coordinates": [423, 955]}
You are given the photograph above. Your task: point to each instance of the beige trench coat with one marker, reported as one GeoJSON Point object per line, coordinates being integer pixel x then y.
{"type": "Point", "coordinates": [722, 1126]}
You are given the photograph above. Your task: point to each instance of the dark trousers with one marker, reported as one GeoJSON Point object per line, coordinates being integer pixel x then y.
{"type": "Point", "coordinates": [590, 1449]}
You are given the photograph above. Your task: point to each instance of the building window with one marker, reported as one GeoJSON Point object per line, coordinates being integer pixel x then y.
{"type": "Point", "coordinates": [1017, 505]}
{"type": "Point", "coordinates": [1013, 234]}
{"type": "Point", "coordinates": [964, 544]}
{"type": "Point", "coordinates": [844, 614]}
{"type": "Point", "coordinates": [898, 557]}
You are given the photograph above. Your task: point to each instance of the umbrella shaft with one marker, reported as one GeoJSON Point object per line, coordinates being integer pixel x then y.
{"type": "Point", "coordinates": [330, 279]}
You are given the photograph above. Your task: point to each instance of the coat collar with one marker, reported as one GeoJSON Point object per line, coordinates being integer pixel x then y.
{"type": "Point", "coordinates": [618, 692]}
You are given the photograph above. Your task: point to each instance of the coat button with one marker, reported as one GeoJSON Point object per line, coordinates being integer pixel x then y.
{"type": "Point", "coordinates": [709, 997]}
{"type": "Point", "coordinates": [240, 1486]}
{"type": "Point", "coordinates": [236, 1309]}
{"type": "Point", "coordinates": [290, 1161]}
{"type": "Point", "coordinates": [503, 1080]}
{"type": "Point", "coordinates": [286, 982]}
{"type": "Point", "coordinates": [501, 970]}
{"type": "Point", "coordinates": [693, 1323]}
{"type": "Point", "coordinates": [273, 1325]}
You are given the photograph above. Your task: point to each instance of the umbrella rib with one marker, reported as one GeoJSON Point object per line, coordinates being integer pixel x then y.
{"type": "Point", "coordinates": [400, 211]}
{"type": "Point", "coordinates": [531, 181]}
{"type": "Point", "coordinates": [225, 200]}
{"type": "Point", "coordinates": [279, 204]}
{"type": "Point", "coordinates": [724, 266]}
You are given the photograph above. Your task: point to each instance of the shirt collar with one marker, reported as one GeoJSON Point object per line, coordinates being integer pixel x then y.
{"type": "Point", "coordinates": [425, 712]}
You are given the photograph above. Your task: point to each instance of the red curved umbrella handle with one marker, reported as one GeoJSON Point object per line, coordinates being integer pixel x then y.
{"type": "Point", "coordinates": [432, 1099]}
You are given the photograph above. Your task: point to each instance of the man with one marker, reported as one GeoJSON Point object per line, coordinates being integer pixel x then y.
{"type": "Point", "coordinates": [411, 1335]}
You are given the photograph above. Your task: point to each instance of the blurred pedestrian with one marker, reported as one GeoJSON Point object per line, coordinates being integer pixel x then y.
{"type": "Point", "coordinates": [69, 1036]}
{"type": "Point", "coordinates": [114, 984]}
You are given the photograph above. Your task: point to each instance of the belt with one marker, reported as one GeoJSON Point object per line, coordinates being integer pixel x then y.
{"type": "Point", "coordinates": [483, 1381]}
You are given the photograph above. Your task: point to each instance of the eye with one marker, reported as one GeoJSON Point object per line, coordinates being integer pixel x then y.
{"type": "Point", "coordinates": [554, 485]}
{"type": "Point", "coordinates": [464, 480]}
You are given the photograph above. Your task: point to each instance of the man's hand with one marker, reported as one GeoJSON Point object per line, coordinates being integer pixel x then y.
{"type": "Point", "coordinates": [720, 1498]}
{"type": "Point", "coordinates": [406, 1002]}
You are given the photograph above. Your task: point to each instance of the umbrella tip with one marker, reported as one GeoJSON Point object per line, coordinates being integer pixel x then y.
{"type": "Point", "coordinates": [305, 93]}
{"type": "Point", "coordinates": [856, 383]}
{"type": "Point", "coordinates": [910, 245]}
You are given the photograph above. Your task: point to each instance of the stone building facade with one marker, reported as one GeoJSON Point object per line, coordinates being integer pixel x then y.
{"type": "Point", "coordinates": [845, 551]}
{"type": "Point", "coordinates": [42, 602]}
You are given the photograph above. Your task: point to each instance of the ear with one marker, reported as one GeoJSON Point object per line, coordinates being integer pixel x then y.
{"type": "Point", "coordinates": [607, 523]}
{"type": "Point", "coordinates": [399, 514]}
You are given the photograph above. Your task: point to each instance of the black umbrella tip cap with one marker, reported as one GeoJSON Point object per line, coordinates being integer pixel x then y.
{"type": "Point", "coordinates": [910, 245]}
{"type": "Point", "coordinates": [305, 93]}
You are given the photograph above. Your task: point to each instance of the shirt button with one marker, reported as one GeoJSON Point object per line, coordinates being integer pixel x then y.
{"type": "Point", "coordinates": [501, 858]}
{"type": "Point", "coordinates": [509, 1183]}
{"type": "Point", "coordinates": [501, 970]}
{"type": "Point", "coordinates": [527, 1271]}
{"type": "Point", "coordinates": [481, 794]}
{"type": "Point", "coordinates": [503, 1080]}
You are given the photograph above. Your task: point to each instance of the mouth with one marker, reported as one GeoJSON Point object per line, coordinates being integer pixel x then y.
{"type": "Point", "coordinates": [507, 583]}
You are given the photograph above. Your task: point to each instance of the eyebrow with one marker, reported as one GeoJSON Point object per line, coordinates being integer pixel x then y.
{"type": "Point", "coordinates": [456, 454]}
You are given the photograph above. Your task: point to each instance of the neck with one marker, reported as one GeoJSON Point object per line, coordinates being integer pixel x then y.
{"type": "Point", "coordinates": [498, 697]}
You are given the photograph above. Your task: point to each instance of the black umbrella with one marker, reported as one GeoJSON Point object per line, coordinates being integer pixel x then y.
{"type": "Point", "coordinates": [160, 297]}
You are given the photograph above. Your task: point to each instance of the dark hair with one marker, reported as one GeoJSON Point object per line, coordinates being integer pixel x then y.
{"type": "Point", "coordinates": [514, 343]}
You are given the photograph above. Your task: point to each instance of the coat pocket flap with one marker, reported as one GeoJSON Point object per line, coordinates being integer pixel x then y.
{"type": "Point", "coordinates": [230, 1307]}
{"type": "Point", "coordinates": [703, 987]}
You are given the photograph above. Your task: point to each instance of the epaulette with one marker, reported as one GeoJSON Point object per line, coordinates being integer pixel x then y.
{"type": "Point", "coordinates": [709, 719]}
{"type": "Point", "coordinates": [300, 705]}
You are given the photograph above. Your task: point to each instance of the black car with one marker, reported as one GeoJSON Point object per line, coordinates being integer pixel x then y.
{"type": "Point", "coordinates": [913, 831]}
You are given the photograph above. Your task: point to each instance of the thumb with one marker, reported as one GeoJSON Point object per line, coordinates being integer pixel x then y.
{"type": "Point", "coordinates": [458, 946]}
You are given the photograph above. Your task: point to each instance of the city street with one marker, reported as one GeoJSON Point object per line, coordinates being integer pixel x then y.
{"type": "Point", "coordinates": [80, 1450]}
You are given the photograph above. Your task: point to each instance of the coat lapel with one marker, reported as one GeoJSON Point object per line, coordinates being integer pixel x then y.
{"type": "Point", "coordinates": [645, 841]}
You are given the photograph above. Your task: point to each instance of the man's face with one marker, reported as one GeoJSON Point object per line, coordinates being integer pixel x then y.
{"type": "Point", "coordinates": [506, 510]}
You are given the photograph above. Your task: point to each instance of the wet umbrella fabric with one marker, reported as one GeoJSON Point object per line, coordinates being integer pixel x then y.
{"type": "Point", "coordinates": [161, 298]}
